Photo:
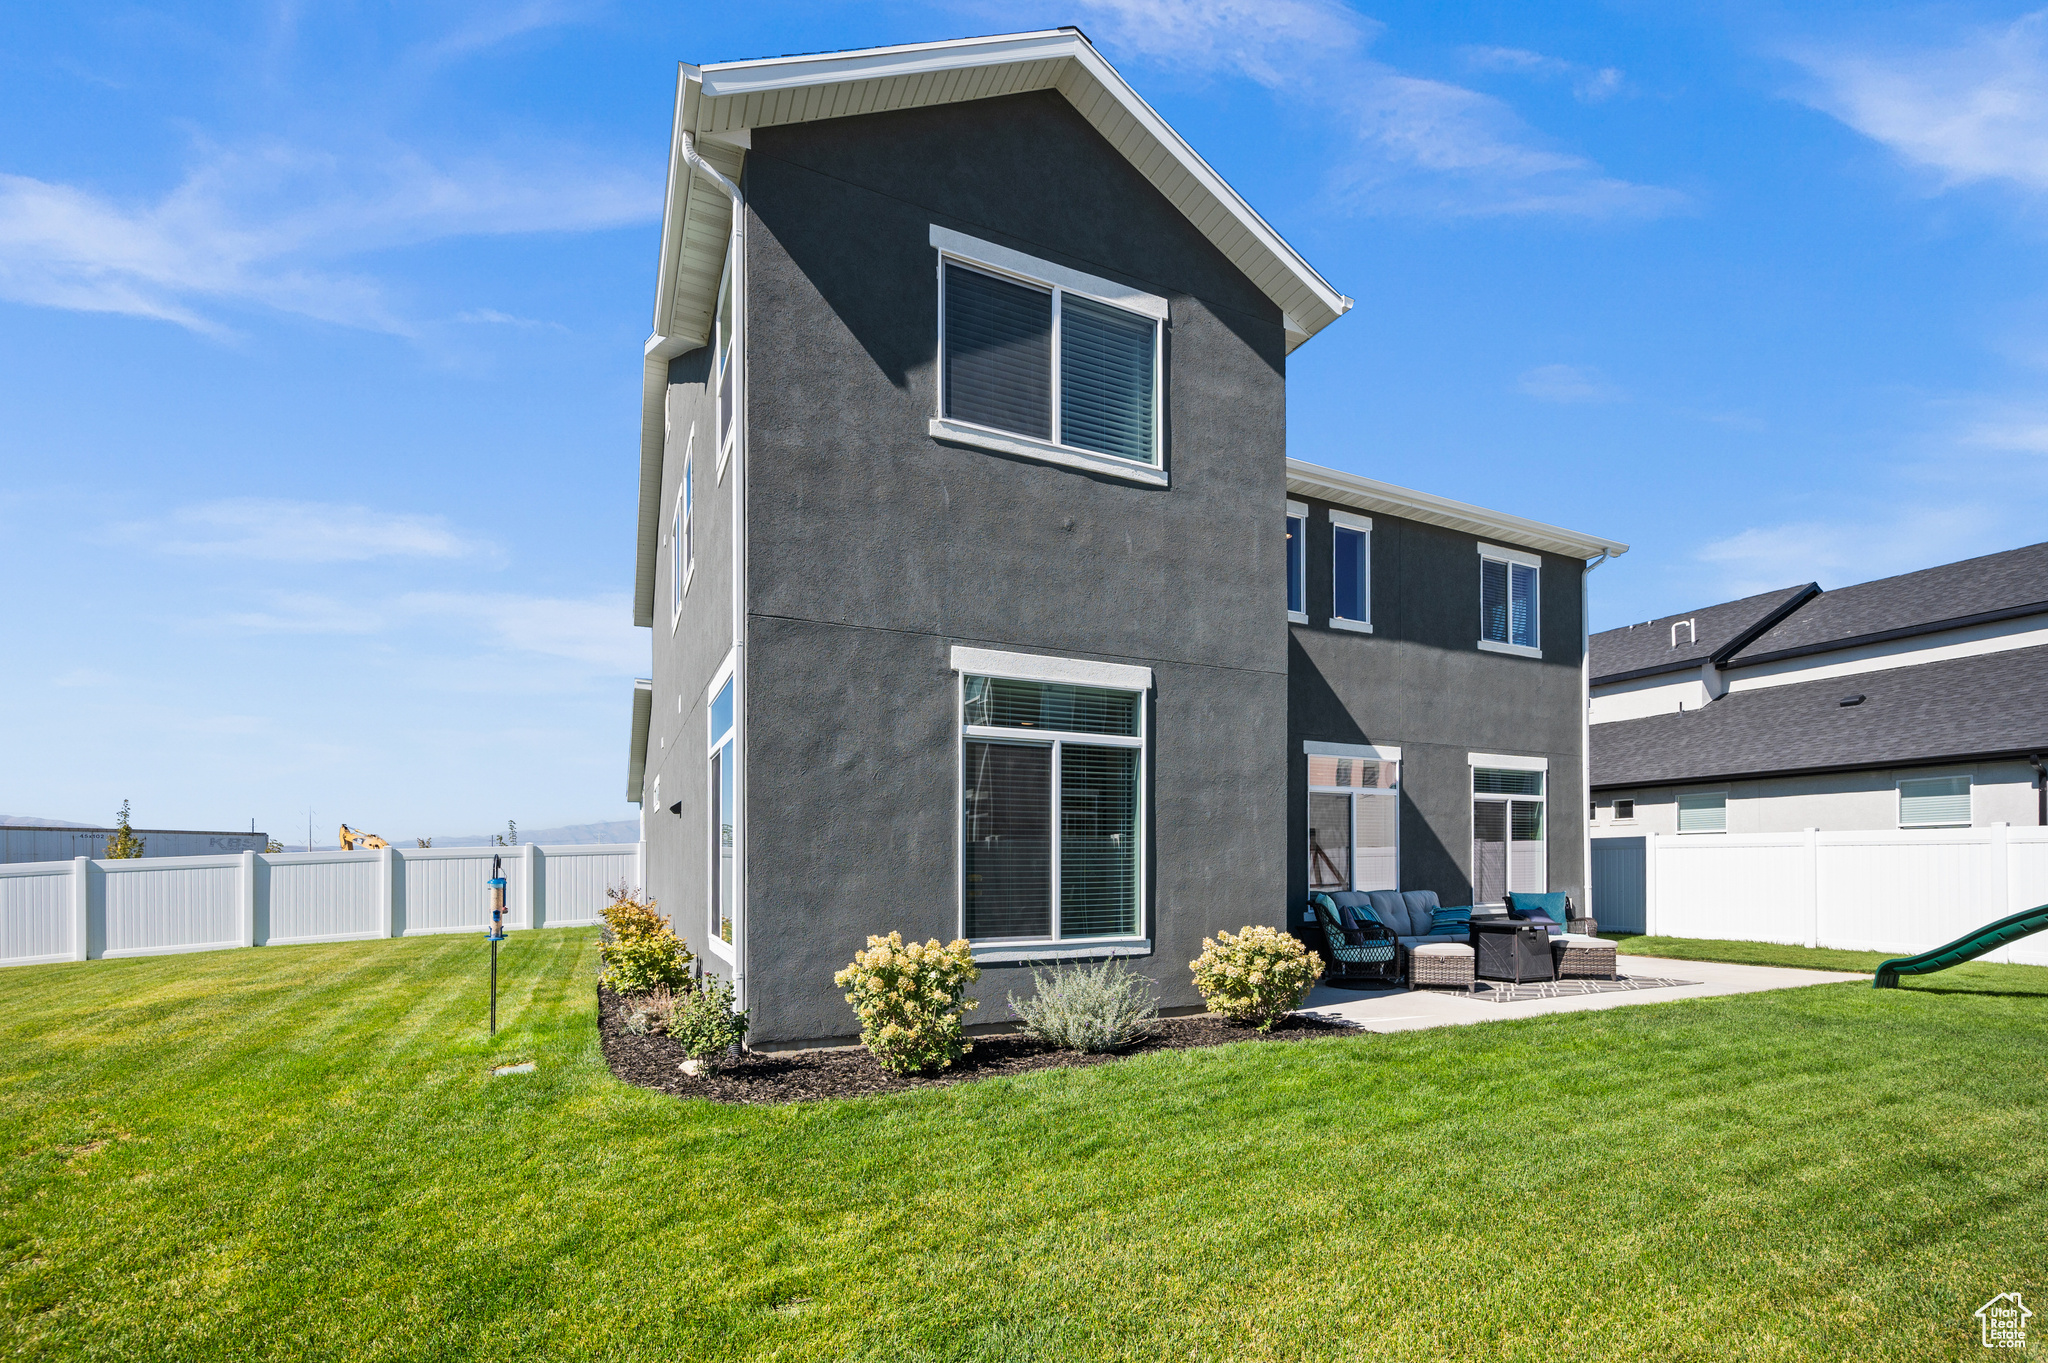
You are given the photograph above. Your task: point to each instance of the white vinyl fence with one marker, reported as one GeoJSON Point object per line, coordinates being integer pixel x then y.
{"type": "Point", "coordinates": [83, 909]}
{"type": "Point", "coordinates": [1892, 890]}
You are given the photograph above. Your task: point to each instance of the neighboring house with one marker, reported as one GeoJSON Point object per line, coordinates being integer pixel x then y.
{"type": "Point", "coordinates": [986, 601]}
{"type": "Point", "coordinates": [1915, 701]}
{"type": "Point", "coordinates": [62, 842]}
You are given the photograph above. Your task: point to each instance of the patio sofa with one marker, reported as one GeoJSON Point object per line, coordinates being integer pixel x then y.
{"type": "Point", "coordinates": [1358, 923]}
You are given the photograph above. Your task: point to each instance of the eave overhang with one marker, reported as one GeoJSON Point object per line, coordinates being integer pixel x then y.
{"type": "Point", "coordinates": [1370, 494]}
{"type": "Point", "coordinates": [643, 721]}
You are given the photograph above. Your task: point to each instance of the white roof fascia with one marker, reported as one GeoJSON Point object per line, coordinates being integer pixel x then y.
{"type": "Point", "coordinates": [643, 717]}
{"type": "Point", "coordinates": [1349, 489]}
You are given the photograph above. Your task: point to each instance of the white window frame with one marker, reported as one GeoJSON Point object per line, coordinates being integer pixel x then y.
{"type": "Point", "coordinates": [682, 538]}
{"type": "Point", "coordinates": [1501, 554]}
{"type": "Point", "coordinates": [719, 947]}
{"type": "Point", "coordinates": [1678, 813]}
{"type": "Point", "coordinates": [1297, 553]}
{"type": "Point", "coordinates": [981, 662]}
{"type": "Point", "coordinates": [1619, 817]}
{"type": "Point", "coordinates": [1969, 784]}
{"type": "Point", "coordinates": [1474, 762]}
{"type": "Point", "coordinates": [1368, 753]}
{"type": "Point", "coordinates": [722, 356]}
{"type": "Point", "coordinates": [957, 248]}
{"type": "Point", "coordinates": [1346, 520]}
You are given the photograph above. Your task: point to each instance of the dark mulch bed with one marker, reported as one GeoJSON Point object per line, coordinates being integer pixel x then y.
{"type": "Point", "coordinates": [653, 1061]}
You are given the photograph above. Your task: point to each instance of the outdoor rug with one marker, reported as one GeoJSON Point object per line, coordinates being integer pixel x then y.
{"type": "Point", "coordinates": [1502, 991]}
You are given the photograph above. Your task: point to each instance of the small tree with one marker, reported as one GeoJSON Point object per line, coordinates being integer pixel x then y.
{"type": "Point", "coordinates": [273, 845]}
{"type": "Point", "coordinates": [124, 845]}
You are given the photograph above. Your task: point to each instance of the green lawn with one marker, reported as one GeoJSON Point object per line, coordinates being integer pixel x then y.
{"type": "Point", "coordinates": [297, 1152]}
{"type": "Point", "coordinates": [1759, 953]}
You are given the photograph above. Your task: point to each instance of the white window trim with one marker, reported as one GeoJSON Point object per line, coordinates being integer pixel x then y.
{"type": "Point", "coordinates": [1370, 753]}
{"type": "Point", "coordinates": [682, 551]}
{"type": "Point", "coordinates": [1678, 815]}
{"type": "Point", "coordinates": [1298, 509]}
{"type": "Point", "coordinates": [1507, 762]}
{"type": "Point", "coordinates": [1899, 800]}
{"type": "Point", "coordinates": [1345, 520]}
{"type": "Point", "coordinates": [1614, 814]}
{"type": "Point", "coordinates": [722, 358]}
{"type": "Point", "coordinates": [1001, 261]}
{"type": "Point", "coordinates": [720, 948]}
{"type": "Point", "coordinates": [982, 662]}
{"type": "Point", "coordinates": [1527, 560]}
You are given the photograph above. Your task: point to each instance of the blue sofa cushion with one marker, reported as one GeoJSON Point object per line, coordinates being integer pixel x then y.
{"type": "Point", "coordinates": [1452, 920]}
{"type": "Point", "coordinates": [1422, 908]}
{"type": "Point", "coordinates": [1390, 908]}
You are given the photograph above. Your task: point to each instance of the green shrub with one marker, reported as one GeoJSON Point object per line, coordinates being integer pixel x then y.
{"type": "Point", "coordinates": [908, 1000]}
{"type": "Point", "coordinates": [641, 952]}
{"type": "Point", "coordinates": [704, 1022]}
{"type": "Point", "coordinates": [1256, 976]}
{"type": "Point", "coordinates": [652, 1011]}
{"type": "Point", "coordinates": [1103, 1007]}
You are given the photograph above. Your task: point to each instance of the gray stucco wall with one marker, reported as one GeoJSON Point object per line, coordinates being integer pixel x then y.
{"type": "Point", "coordinates": [873, 548]}
{"type": "Point", "coordinates": [1419, 683]}
{"type": "Point", "coordinates": [688, 651]}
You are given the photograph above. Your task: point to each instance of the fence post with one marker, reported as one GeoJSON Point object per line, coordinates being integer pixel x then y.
{"type": "Point", "coordinates": [1649, 883]}
{"type": "Point", "coordinates": [248, 896]}
{"type": "Point", "coordinates": [532, 893]}
{"type": "Point", "coordinates": [391, 898]}
{"type": "Point", "coordinates": [1813, 887]}
{"type": "Point", "coordinates": [81, 908]}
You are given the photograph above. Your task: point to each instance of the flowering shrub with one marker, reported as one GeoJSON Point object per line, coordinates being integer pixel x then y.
{"type": "Point", "coordinates": [641, 951]}
{"type": "Point", "coordinates": [704, 1022]}
{"type": "Point", "coordinates": [908, 1000]}
{"type": "Point", "coordinates": [1256, 976]}
{"type": "Point", "coordinates": [1102, 1007]}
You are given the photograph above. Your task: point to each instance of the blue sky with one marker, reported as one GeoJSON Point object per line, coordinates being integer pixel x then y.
{"type": "Point", "coordinates": [320, 330]}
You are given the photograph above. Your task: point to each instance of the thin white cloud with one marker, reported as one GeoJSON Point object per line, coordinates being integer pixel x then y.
{"type": "Point", "coordinates": [492, 317]}
{"type": "Point", "coordinates": [594, 630]}
{"type": "Point", "coordinates": [1419, 146]}
{"type": "Point", "coordinates": [307, 613]}
{"type": "Point", "coordinates": [299, 532]}
{"type": "Point", "coordinates": [1838, 553]}
{"type": "Point", "coordinates": [1590, 84]}
{"type": "Point", "coordinates": [1973, 111]}
{"type": "Point", "coordinates": [1568, 384]}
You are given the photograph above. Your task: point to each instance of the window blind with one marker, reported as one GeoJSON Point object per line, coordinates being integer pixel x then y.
{"type": "Point", "coordinates": [998, 353]}
{"type": "Point", "coordinates": [1098, 841]}
{"type": "Point", "coordinates": [1493, 600]}
{"type": "Point", "coordinates": [1522, 622]}
{"type": "Point", "coordinates": [1003, 703]}
{"type": "Point", "coordinates": [1008, 840]}
{"type": "Point", "coordinates": [1297, 538]}
{"type": "Point", "coordinates": [1933, 801]}
{"type": "Point", "coordinates": [1105, 379]}
{"type": "Point", "coordinates": [1378, 818]}
{"type": "Point", "coordinates": [1703, 813]}
{"type": "Point", "coordinates": [1348, 574]}
{"type": "Point", "coordinates": [1489, 781]}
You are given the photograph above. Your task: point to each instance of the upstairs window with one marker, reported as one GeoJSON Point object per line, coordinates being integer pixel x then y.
{"type": "Point", "coordinates": [682, 536]}
{"type": "Point", "coordinates": [1350, 571]}
{"type": "Point", "coordinates": [1297, 562]}
{"type": "Point", "coordinates": [1065, 365]}
{"type": "Point", "coordinates": [1509, 601]}
{"type": "Point", "coordinates": [1934, 802]}
{"type": "Point", "coordinates": [722, 377]}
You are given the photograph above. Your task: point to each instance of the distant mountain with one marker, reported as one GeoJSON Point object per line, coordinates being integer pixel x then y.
{"type": "Point", "coordinates": [37, 821]}
{"type": "Point", "coordinates": [618, 830]}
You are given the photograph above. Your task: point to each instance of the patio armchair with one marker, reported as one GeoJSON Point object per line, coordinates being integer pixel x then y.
{"type": "Point", "coordinates": [1361, 951]}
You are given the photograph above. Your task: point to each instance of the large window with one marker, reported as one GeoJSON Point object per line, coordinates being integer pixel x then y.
{"type": "Point", "coordinates": [1510, 601]}
{"type": "Point", "coordinates": [1053, 787]}
{"type": "Point", "coordinates": [1350, 571]}
{"type": "Point", "coordinates": [1934, 802]}
{"type": "Point", "coordinates": [1354, 818]}
{"type": "Point", "coordinates": [724, 818]}
{"type": "Point", "coordinates": [1508, 838]}
{"type": "Point", "coordinates": [1064, 363]}
{"type": "Point", "coordinates": [1297, 562]}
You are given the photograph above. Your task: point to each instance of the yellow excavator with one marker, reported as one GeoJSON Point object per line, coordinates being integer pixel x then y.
{"type": "Point", "coordinates": [352, 841]}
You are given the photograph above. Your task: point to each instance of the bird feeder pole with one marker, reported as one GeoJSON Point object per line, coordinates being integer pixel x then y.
{"type": "Point", "coordinates": [497, 932]}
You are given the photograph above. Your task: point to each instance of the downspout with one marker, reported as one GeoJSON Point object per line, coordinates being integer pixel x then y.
{"type": "Point", "coordinates": [737, 470]}
{"type": "Point", "coordinates": [1586, 732]}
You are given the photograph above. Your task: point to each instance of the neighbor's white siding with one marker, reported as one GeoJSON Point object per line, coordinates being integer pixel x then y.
{"type": "Point", "coordinates": [1834, 802]}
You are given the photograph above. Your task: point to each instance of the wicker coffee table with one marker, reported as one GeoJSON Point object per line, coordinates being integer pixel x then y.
{"type": "Point", "coordinates": [1441, 963]}
{"type": "Point", "coordinates": [1580, 958]}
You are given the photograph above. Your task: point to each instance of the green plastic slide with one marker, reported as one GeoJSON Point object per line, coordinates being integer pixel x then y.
{"type": "Point", "coordinates": [1969, 947]}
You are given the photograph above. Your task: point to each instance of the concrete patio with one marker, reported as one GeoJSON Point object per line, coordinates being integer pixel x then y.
{"type": "Point", "coordinates": [1403, 1010]}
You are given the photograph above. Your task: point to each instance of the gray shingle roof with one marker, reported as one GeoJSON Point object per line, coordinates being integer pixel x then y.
{"type": "Point", "coordinates": [1641, 650]}
{"type": "Point", "coordinates": [1992, 587]}
{"type": "Point", "coordinates": [1995, 703]}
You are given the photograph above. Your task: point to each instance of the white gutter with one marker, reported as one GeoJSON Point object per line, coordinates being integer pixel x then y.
{"type": "Point", "coordinates": [1586, 726]}
{"type": "Point", "coordinates": [738, 471]}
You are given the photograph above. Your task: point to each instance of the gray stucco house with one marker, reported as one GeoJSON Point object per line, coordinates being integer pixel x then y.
{"type": "Point", "coordinates": [985, 600]}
